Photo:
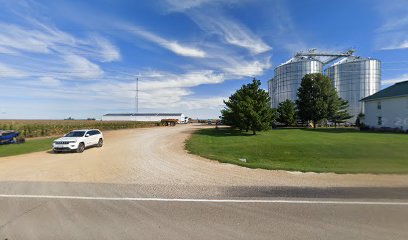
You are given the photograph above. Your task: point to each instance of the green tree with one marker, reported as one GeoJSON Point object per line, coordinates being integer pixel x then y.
{"type": "Point", "coordinates": [316, 98]}
{"type": "Point", "coordinates": [338, 111]}
{"type": "Point", "coordinates": [233, 114]}
{"type": "Point", "coordinates": [248, 109]}
{"type": "Point", "coordinates": [287, 112]}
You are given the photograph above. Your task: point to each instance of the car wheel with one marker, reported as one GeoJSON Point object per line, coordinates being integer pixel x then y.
{"type": "Point", "coordinates": [81, 147]}
{"type": "Point", "coordinates": [55, 151]}
{"type": "Point", "coordinates": [100, 142]}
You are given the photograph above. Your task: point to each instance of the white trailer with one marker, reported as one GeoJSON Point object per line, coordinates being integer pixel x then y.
{"type": "Point", "coordinates": [144, 117]}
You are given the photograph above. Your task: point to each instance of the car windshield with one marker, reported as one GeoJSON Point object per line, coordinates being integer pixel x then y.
{"type": "Point", "coordinates": [75, 134]}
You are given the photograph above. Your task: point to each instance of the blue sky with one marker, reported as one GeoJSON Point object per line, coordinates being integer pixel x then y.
{"type": "Point", "coordinates": [81, 58]}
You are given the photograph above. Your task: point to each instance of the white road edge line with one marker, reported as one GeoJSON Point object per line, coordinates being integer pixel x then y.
{"type": "Point", "coordinates": [203, 200]}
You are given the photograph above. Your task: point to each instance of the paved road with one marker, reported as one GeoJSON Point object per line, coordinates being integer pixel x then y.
{"type": "Point", "coordinates": [143, 185]}
{"type": "Point", "coordinates": [103, 219]}
{"type": "Point", "coordinates": [32, 210]}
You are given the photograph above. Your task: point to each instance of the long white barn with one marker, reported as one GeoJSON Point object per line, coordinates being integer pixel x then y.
{"type": "Point", "coordinates": [143, 117]}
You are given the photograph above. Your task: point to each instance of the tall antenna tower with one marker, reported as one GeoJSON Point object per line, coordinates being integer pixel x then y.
{"type": "Point", "coordinates": [137, 95]}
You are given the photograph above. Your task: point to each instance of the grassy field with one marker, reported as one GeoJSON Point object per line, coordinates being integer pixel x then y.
{"type": "Point", "coordinates": [39, 128]}
{"type": "Point", "coordinates": [320, 150]}
{"type": "Point", "coordinates": [32, 145]}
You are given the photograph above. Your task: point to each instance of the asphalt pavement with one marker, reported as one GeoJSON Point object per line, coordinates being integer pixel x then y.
{"type": "Point", "coordinates": [129, 211]}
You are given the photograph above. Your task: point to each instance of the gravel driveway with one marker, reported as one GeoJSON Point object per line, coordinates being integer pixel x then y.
{"type": "Point", "coordinates": [156, 156]}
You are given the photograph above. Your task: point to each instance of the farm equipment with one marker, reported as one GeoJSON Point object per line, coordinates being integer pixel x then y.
{"type": "Point", "coordinates": [169, 122]}
{"type": "Point", "coordinates": [10, 137]}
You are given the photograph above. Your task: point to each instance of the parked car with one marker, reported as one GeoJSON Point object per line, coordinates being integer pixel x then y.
{"type": "Point", "coordinates": [78, 140]}
{"type": "Point", "coordinates": [10, 137]}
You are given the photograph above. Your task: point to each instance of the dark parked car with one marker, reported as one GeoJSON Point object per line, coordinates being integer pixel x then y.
{"type": "Point", "coordinates": [10, 137]}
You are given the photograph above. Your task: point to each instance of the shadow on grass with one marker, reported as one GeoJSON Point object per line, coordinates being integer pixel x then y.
{"type": "Point", "coordinates": [346, 130]}
{"type": "Point", "coordinates": [222, 132]}
{"type": "Point", "coordinates": [333, 130]}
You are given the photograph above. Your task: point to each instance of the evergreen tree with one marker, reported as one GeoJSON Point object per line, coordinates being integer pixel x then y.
{"type": "Point", "coordinates": [287, 112]}
{"type": "Point", "coordinates": [316, 98]}
{"type": "Point", "coordinates": [338, 111]}
{"type": "Point", "coordinates": [249, 109]}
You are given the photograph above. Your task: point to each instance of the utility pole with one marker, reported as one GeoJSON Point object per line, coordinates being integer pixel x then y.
{"type": "Point", "coordinates": [137, 95]}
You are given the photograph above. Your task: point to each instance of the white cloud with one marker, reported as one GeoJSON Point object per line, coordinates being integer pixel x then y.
{"type": "Point", "coordinates": [181, 5]}
{"type": "Point", "coordinates": [231, 31]}
{"type": "Point", "coordinates": [163, 80]}
{"type": "Point", "coordinates": [393, 33]}
{"type": "Point", "coordinates": [49, 81]}
{"type": "Point", "coordinates": [173, 46]}
{"type": "Point", "coordinates": [38, 37]}
{"type": "Point", "coordinates": [82, 67]}
{"type": "Point", "coordinates": [14, 37]}
{"type": "Point", "coordinates": [393, 44]}
{"type": "Point", "coordinates": [395, 24]}
{"type": "Point", "coordinates": [10, 72]}
{"type": "Point", "coordinates": [61, 57]}
{"type": "Point", "coordinates": [208, 16]}
{"type": "Point", "coordinates": [403, 77]}
{"type": "Point", "coordinates": [248, 68]}
{"type": "Point", "coordinates": [106, 50]}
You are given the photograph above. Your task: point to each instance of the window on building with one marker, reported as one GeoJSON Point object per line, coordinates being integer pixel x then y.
{"type": "Point", "coordinates": [379, 105]}
{"type": "Point", "coordinates": [379, 121]}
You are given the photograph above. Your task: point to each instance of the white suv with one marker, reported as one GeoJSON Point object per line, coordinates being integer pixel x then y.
{"type": "Point", "coordinates": [78, 140]}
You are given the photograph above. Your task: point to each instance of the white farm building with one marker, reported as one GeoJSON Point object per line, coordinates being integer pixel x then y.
{"type": "Point", "coordinates": [388, 108]}
{"type": "Point", "coordinates": [143, 117]}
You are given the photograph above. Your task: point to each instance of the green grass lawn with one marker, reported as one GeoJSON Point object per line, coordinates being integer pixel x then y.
{"type": "Point", "coordinates": [34, 145]}
{"type": "Point", "coordinates": [315, 150]}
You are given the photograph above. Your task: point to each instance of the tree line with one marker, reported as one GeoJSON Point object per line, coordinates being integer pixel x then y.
{"type": "Point", "coordinates": [248, 109]}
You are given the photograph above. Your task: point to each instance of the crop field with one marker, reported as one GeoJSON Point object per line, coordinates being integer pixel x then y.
{"type": "Point", "coordinates": [42, 128]}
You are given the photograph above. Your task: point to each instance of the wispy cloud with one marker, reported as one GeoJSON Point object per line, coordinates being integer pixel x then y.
{"type": "Point", "coordinates": [393, 33]}
{"type": "Point", "coordinates": [10, 72]}
{"type": "Point", "coordinates": [401, 78]}
{"type": "Point", "coordinates": [212, 20]}
{"type": "Point", "coordinates": [106, 50]}
{"type": "Point", "coordinates": [44, 57]}
{"type": "Point", "coordinates": [82, 67]}
{"type": "Point", "coordinates": [248, 68]}
{"type": "Point", "coordinates": [52, 55]}
{"type": "Point", "coordinates": [171, 45]}
{"type": "Point", "coordinates": [182, 5]}
{"type": "Point", "coordinates": [160, 80]}
{"type": "Point", "coordinates": [38, 37]}
{"type": "Point", "coordinates": [49, 81]}
{"type": "Point", "coordinates": [231, 31]}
